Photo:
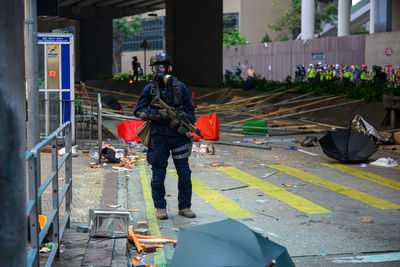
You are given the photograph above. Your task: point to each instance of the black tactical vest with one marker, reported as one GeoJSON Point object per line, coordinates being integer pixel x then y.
{"type": "Point", "coordinates": [170, 94]}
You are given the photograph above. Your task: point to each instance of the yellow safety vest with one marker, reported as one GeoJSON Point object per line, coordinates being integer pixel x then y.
{"type": "Point", "coordinates": [363, 75]}
{"type": "Point", "coordinates": [311, 73]}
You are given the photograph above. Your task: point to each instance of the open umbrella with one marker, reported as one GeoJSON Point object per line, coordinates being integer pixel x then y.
{"type": "Point", "coordinates": [347, 145]}
{"type": "Point", "coordinates": [226, 243]}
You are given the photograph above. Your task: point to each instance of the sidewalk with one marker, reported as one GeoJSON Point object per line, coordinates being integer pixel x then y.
{"type": "Point", "coordinates": [93, 188]}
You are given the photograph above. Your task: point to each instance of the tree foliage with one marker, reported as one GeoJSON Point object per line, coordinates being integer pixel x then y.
{"type": "Point", "coordinates": [234, 38]}
{"type": "Point", "coordinates": [290, 21]}
{"type": "Point", "coordinates": [266, 38]}
{"type": "Point", "coordinates": [123, 28]}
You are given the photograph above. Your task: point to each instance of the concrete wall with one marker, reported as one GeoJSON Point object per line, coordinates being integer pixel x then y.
{"type": "Point", "coordinates": [126, 60]}
{"type": "Point", "coordinates": [231, 6]}
{"type": "Point", "coordinates": [375, 46]}
{"type": "Point", "coordinates": [277, 60]}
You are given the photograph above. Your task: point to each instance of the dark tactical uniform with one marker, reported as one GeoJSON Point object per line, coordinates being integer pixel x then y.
{"type": "Point", "coordinates": [165, 138]}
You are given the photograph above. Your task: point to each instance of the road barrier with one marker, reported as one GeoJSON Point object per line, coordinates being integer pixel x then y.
{"type": "Point", "coordinates": [36, 189]}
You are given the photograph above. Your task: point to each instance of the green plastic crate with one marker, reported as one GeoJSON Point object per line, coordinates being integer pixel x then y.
{"type": "Point", "coordinates": [255, 124]}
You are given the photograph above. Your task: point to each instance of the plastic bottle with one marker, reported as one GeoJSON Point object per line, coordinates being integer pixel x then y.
{"type": "Point", "coordinates": [49, 245]}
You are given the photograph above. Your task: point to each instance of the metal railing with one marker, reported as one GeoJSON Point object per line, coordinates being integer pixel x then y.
{"type": "Point", "coordinates": [36, 189]}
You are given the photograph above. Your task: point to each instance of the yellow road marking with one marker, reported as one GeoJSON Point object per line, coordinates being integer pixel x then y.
{"type": "Point", "coordinates": [397, 168]}
{"type": "Point", "coordinates": [159, 256]}
{"type": "Point", "coordinates": [291, 199]}
{"type": "Point", "coordinates": [365, 175]}
{"type": "Point", "coordinates": [341, 189]}
{"type": "Point", "coordinates": [225, 205]}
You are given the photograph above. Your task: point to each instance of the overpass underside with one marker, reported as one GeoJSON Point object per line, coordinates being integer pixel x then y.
{"type": "Point", "coordinates": [193, 34]}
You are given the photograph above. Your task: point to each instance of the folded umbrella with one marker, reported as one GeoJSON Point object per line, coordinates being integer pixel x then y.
{"type": "Point", "coordinates": [347, 145]}
{"type": "Point", "coordinates": [226, 243]}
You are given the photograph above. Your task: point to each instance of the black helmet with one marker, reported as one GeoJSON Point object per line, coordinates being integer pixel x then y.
{"type": "Point", "coordinates": [160, 58]}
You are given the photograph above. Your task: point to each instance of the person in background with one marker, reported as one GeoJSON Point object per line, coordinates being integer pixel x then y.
{"type": "Point", "coordinates": [250, 73]}
{"type": "Point", "coordinates": [135, 68]}
{"type": "Point", "coordinates": [363, 73]}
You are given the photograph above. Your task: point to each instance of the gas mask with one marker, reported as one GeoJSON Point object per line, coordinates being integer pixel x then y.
{"type": "Point", "coordinates": [160, 74]}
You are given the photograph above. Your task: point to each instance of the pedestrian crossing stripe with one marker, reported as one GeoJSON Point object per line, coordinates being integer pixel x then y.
{"type": "Point", "coordinates": [281, 194]}
{"type": "Point", "coordinates": [159, 256]}
{"type": "Point", "coordinates": [225, 205]}
{"type": "Point", "coordinates": [365, 175]}
{"type": "Point", "coordinates": [341, 189]}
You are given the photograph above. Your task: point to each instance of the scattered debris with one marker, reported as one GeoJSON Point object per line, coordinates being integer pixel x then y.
{"type": "Point", "coordinates": [261, 200]}
{"type": "Point", "coordinates": [142, 224]}
{"type": "Point", "coordinates": [269, 174]}
{"type": "Point", "coordinates": [385, 162]}
{"type": "Point", "coordinates": [74, 150]}
{"type": "Point", "coordinates": [234, 188]}
{"type": "Point", "coordinates": [309, 141]}
{"type": "Point", "coordinates": [236, 198]}
{"type": "Point", "coordinates": [204, 148]}
{"type": "Point", "coordinates": [46, 149]}
{"type": "Point", "coordinates": [114, 206]}
{"type": "Point", "coordinates": [366, 219]}
{"type": "Point", "coordinates": [308, 153]}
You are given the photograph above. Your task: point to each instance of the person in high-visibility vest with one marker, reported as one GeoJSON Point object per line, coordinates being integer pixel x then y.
{"type": "Point", "coordinates": [329, 73]}
{"type": "Point", "coordinates": [363, 73]}
{"type": "Point", "coordinates": [398, 77]}
{"type": "Point", "coordinates": [311, 71]}
{"type": "Point", "coordinates": [346, 75]}
{"type": "Point", "coordinates": [393, 78]}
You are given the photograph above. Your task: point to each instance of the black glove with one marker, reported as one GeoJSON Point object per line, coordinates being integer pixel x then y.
{"type": "Point", "coordinates": [149, 116]}
{"type": "Point", "coordinates": [183, 116]}
{"type": "Point", "coordinates": [182, 130]}
{"type": "Point", "coordinates": [164, 114]}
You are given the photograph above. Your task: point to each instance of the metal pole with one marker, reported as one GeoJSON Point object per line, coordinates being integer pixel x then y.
{"type": "Point", "coordinates": [307, 19]}
{"type": "Point", "coordinates": [144, 67]}
{"type": "Point", "coordinates": [99, 125]}
{"type": "Point", "coordinates": [344, 18]}
{"type": "Point", "coordinates": [13, 232]}
{"type": "Point", "coordinates": [32, 72]}
{"type": "Point", "coordinates": [372, 17]}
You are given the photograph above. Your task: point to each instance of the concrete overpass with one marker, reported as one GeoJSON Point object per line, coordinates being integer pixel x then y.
{"type": "Point", "coordinates": [193, 34]}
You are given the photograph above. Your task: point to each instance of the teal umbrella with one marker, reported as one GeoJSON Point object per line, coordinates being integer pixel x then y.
{"type": "Point", "coordinates": [226, 243]}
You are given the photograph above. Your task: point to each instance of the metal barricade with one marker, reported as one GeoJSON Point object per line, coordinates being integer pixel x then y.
{"type": "Point", "coordinates": [87, 121]}
{"type": "Point", "coordinates": [36, 189]}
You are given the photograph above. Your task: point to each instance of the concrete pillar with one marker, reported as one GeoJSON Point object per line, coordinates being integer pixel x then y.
{"type": "Point", "coordinates": [344, 17]}
{"type": "Point", "coordinates": [372, 16]}
{"type": "Point", "coordinates": [96, 48]}
{"type": "Point", "coordinates": [13, 231]}
{"type": "Point", "coordinates": [194, 40]}
{"type": "Point", "coordinates": [307, 19]}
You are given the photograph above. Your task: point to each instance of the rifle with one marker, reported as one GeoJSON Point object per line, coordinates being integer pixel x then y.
{"type": "Point", "coordinates": [158, 103]}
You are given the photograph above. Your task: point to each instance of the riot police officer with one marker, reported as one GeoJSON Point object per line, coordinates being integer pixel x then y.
{"type": "Point", "coordinates": [165, 137]}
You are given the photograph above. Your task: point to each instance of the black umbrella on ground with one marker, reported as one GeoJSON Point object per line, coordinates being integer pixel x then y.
{"type": "Point", "coordinates": [226, 243]}
{"type": "Point", "coordinates": [111, 102]}
{"type": "Point", "coordinates": [347, 145]}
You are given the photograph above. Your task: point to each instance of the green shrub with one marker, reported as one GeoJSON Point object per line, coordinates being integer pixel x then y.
{"type": "Point", "coordinates": [370, 91]}
{"type": "Point", "coordinates": [123, 76]}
